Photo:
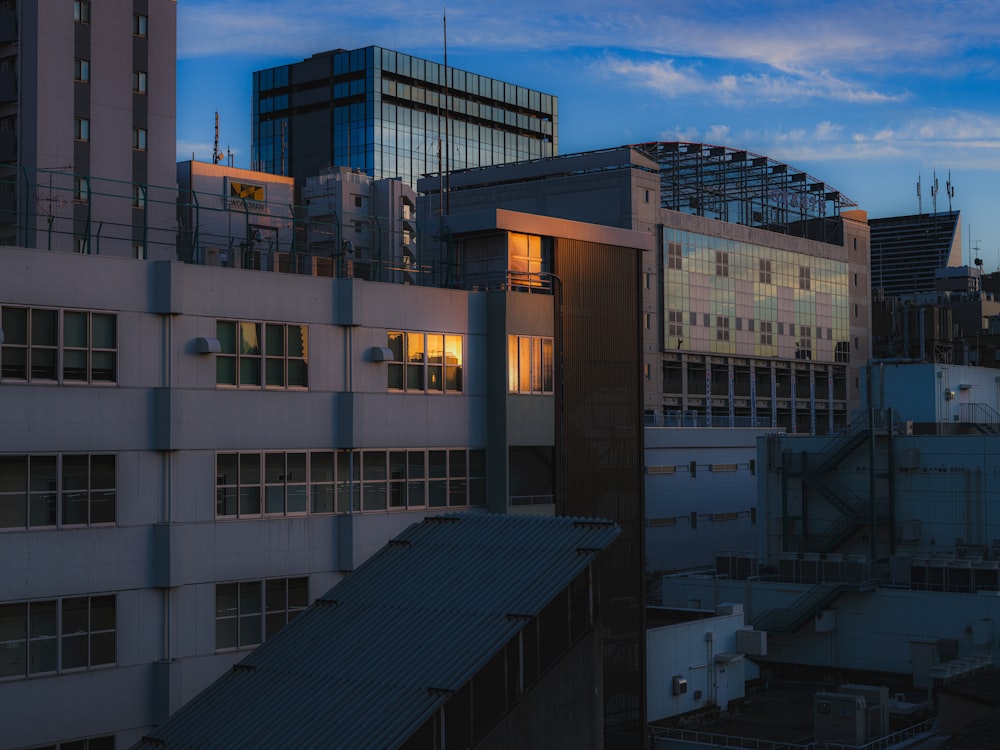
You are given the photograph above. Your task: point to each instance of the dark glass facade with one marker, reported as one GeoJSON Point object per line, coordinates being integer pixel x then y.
{"type": "Point", "coordinates": [389, 114]}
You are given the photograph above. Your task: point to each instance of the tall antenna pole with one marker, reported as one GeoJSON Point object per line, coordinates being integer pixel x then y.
{"type": "Point", "coordinates": [934, 192]}
{"type": "Point", "coordinates": [216, 156]}
{"type": "Point", "coordinates": [447, 116]}
{"type": "Point", "coordinates": [920, 204]}
{"type": "Point", "coordinates": [950, 189]}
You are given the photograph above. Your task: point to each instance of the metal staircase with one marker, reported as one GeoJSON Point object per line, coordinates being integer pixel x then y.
{"type": "Point", "coordinates": [786, 620]}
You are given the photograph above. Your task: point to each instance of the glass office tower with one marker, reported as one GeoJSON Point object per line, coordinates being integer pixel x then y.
{"type": "Point", "coordinates": [389, 114]}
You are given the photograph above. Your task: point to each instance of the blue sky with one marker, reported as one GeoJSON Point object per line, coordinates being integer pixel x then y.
{"type": "Point", "coordinates": [864, 96]}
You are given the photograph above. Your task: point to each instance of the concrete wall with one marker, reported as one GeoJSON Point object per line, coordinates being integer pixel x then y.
{"type": "Point", "coordinates": [674, 493]}
{"type": "Point", "coordinates": [874, 631]}
{"type": "Point", "coordinates": [165, 419]}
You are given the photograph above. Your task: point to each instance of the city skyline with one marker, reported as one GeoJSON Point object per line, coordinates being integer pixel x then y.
{"type": "Point", "coordinates": [867, 98]}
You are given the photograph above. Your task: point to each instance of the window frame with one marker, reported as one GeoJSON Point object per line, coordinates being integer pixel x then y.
{"type": "Point", "coordinates": [81, 70]}
{"type": "Point", "coordinates": [248, 483]}
{"type": "Point", "coordinates": [425, 362]}
{"type": "Point", "coordinates": [140, 82]}
{"type": "Point", "coordinates": [530, 365]}
{"type": "Point", "coordinates": [249, 353]}
{"type": "Point", "coordinates": [51, 635]}
{"type": "Point", "coordinates": [81, 11]}
{"type": "Point", "coordinates": [250, 620]}
{"type": "Point", "coordinates": [51, 493]}
{"type": "Point", "coordinates": [140, 24]}
{"type": "Point", "coordinates": [140, 137]}
{"type": "Point", "coordinates": [81, 129]}
{"type": "Point", "coordinates": [57, 351]}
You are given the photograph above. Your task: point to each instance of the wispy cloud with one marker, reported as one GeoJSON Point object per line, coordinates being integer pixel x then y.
{"type": "Point", "coordinates": [671, 80]}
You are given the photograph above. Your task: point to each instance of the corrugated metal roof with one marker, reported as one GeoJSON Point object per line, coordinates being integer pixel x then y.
{"type": "Point", "coordinates": [371, 660]}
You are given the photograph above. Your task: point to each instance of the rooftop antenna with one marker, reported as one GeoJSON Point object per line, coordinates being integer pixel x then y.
{"type": "Point", "coordinates": [950, 189]}
{"type": "Point", "coordinates": [920, 205]}
{"type": "Point", "coordinates": [447, 113]}
{"type": "Point", "coordinates": [216, 154]}
{"type": "Point", "coordinates": [934, 192]}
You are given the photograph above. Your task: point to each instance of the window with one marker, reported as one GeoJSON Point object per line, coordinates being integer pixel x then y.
{"type": "Point", "coordinates": [59, 635]}
{"type": "Point", "coordinates": [357, 226]}
{"type": "Point", "coordinates": [70, 346]}
{"type": "Point", "coordinates": [675, 323]}
{"type": "Point", "coordinates": [674, 255]}
{"type": "Point", "coordinates": [249, 612]}
{"type": "Point", "coordinates": [721, 328]}
{"type": "Point", "coordinates": [804, 277]}
{"type": "Point", "coordinates": [81, 11]}
{"type": "Point", "coordinates": [275, 355]}
{"type": "Point", "coordinates": [647, 321]}
{"type": "Point", "coordinates": [139, 24]}
{"type": "Point", "coordinates": [138, 196]}
{"type": "Point", "coordinates": [138, 82]}
{"type": "Point", "coordinates": [530, 364]}
{"type": "Point", "coordinates": [139, 251]}
{"type": "Point", "coordinates": [81, 129]}
{"type": "Point", "coordinates": [252, 484]}
{"type": "Point", "coordinates": [81, 189]}
{"type": "Point", "coordinates": [357, 201]}
{"type": "Point", "coordinates": [765, 271]}
{"type": "Point", "coordinates": [766, 333]}
{"type": "Point", "coordinates": [81, 70]}
{"type": "Point", "coordinates": [529, 257]}
{"type": "Point", "coordinates": [139, 139]}
{"type": "Point", "coordinates": [803, 348]}
{"type": "Point", "coordinates": [45, 491]}
{"type": "Point", "coordinates": [721, 263]}
{"type": "Point", "coordinates": [425, 362]}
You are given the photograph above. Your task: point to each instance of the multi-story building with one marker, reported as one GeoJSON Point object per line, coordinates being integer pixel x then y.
{"type": "Point", "coordinates": [756, 303]}
{"type": "Point", "coordinates": [907, 251]}
{"type": "Point", "coordinates": [189, 455]}
{"type": "Point", "coordinates": [87, 125]}
{"type": "Point", "coordinates": [389, 114]}
{"type": "Point", "coordinates": [366, 226]}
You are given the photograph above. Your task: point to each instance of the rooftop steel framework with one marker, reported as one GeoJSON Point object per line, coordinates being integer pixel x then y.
{"type": "Point", "coordinates": [745, 188]}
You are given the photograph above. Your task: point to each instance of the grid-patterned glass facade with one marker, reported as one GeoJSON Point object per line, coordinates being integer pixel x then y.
{"type": "Point", "coordinates": [724, 296]}
{"type": "Point", "coordinates": [388, 114]}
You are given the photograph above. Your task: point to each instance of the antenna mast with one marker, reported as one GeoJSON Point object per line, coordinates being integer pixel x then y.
{"type": "Point", "coordinates": [920, 205]}
{"type": "Point", "coordinates": [447, 115]}
{"type": "Point", "coordinates": [950, 189]}
{"type": "Point", "coordinates": [216, 154]}
{"type": "Point", "coordinates": [934, 192]}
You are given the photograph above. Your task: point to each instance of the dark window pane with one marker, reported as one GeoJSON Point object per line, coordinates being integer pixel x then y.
{"type": "Point", "coordinates": [42, 655]}
{"type": "Point", "coordinates": [225, 599]}
{"type": "Point", "coordinates": [102, 613]}
{"type": "Point", "coordinates": [75, 329]}
{"type": "Point", "coordinates": [250, 630]}
{"type": "Point", "coordinates": [102, 506]}
{"type": "Point", "coordinates": [43, 327]}
{"type": "Point", "coordinates": [249, 501]}
{"type": "Point", "coordinates": [437, 464]}
{"type": "Point", "coordinates": [249, 468]}
{"type": "Point", "coordinates": [76, 616]}
{"type": "Point", "coordinates": [74, 651]}
{"type": "Point", "coordinates": [225, 633]}
{"type": "Point", "coordinates": [102, 649]}
{"type": "Point", "coordinates": [13, 623]}
{"type": "Point", "coordinates": [225, 468]}
{"type": "Point", "coordinates": [296, 498]}
{"type": "Point", "coordinates": [438, 494]}
{"type": "Point", "coordinates": [104, 336]}
{"type": "Point", "coordinates": [298, 592]}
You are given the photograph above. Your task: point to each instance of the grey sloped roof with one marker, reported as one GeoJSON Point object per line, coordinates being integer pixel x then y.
{"type": "Point", "coordinates": [371, 660]}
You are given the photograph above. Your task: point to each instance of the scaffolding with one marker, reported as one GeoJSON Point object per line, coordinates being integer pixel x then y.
{"type": "Point", "coordinates": [741, 187]}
